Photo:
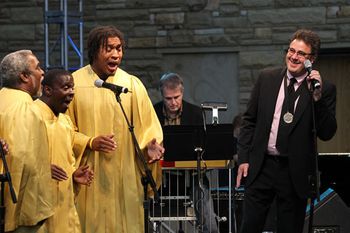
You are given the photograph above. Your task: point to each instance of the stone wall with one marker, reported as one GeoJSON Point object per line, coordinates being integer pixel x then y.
{"type": "Point", "coordinates": [257, 29]}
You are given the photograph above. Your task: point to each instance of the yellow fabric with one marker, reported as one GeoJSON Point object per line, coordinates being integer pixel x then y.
{"type": "Point", "coordinates": [29, 165]}
{"type": "Point", "coordinates": [39, 228]}
{"type": "Point", "coordinates": [61, 135]}
{"type": "Point", "coordinates": [113, 203]}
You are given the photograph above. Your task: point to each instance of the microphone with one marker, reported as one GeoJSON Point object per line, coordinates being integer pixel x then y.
{"type": "Point", "coordinates": [221, 219]}
{"type": "Point", "coordinates": [115, 88]}
{"type": "Point", "coordinates": [308, 66]}
{"type": "Point", "coordinates": [214, 105]}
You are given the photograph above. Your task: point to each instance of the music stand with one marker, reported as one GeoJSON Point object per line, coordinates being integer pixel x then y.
{"type": "Point", "coordinates": [217, 141]}
{"type": "Point", "coordinates": [195, 142]}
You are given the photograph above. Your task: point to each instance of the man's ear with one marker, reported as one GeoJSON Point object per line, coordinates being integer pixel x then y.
{"type": "Point", "coordinates": [24, 77]}
{"type": "Point", "coordinates": [47, 90]}
{"type": "Point", "coordinates": [312, 59]}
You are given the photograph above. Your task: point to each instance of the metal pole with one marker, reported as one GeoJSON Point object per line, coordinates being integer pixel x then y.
{"type": "Point", "coordinates": [65, 33]}
{"type": "Point", "coordinates": [46, 31]}
{"type": "Point", "coordinates": [81, 36]}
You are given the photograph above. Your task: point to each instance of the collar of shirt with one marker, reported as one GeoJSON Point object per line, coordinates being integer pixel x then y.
{"type": "Point", "coordinates": [168, 120]}
{"type": "Point", "coordinates": [299, 79]}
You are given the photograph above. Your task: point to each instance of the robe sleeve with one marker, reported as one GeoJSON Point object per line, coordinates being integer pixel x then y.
{"type": "Point", "coordinates": [147, 127]}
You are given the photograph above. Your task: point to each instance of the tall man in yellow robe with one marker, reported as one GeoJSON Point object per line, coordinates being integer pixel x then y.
{"type": "Point", "coordinates": [114, 201]}
{"type": "Point", "coordinates": [24, 131]}
{"type": "Point", "coordinates": [57, 94]}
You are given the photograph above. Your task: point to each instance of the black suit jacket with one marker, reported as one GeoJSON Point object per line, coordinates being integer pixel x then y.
{"type": "Point", "coordinates": [191, 114]}
{"type": "Point", "coordinates": [257, 120]}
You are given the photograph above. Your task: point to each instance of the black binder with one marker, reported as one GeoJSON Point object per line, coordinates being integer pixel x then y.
{"type": "Point", "coordinates": [217, 141]}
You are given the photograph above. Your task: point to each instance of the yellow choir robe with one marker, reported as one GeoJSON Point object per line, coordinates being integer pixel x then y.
{"type": "Point", "coordinates": [24, 131]}
{"type": "Point", "coordinates": [114, 201]}
{"type": "Point", "coordinates": [62, 137]}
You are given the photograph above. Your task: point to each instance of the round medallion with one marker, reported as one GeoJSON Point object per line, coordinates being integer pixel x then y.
{"type": "Point", "coordinates": [288, 117]}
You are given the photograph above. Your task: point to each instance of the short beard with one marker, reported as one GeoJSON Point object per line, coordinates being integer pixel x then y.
{"type": "Point", "coordinates": [37, 95]}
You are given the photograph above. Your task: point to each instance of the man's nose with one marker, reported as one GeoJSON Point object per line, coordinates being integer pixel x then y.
{"type": "Point", "coordinates": [116, 53]}
{"type": "Point", "coordinates": [295, 56]}
{"type": "Point", "coordinates": [71, 91]}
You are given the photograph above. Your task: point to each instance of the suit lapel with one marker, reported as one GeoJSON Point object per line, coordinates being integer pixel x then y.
{"type": "Point", "coordinates": [272, 93]}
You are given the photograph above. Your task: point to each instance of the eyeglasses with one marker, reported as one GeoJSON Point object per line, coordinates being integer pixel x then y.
{"type": "Point", "coordinates": [300, 54]}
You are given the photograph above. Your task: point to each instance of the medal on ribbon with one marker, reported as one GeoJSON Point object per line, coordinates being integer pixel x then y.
{"type": "Point", "coordinates": [288, 117]}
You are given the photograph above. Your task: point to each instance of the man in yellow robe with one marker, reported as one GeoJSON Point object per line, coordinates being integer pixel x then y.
{"type": "Point", "coordinates": [24, 131]}
{"type": "Point", "coordinates": [57, 93]}
{"type": "Point", "coordinates": [114, 201]}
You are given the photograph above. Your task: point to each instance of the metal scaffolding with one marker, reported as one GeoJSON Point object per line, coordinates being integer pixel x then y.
{"type": "Point", "coordinates": [58, 53]}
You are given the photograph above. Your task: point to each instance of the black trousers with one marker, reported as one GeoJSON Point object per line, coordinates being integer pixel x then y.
{"type": "Point", "coordinates": [273, 182]}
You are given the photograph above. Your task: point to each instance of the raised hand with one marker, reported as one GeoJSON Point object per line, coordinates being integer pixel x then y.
{"type": "Point", "coordinates": [104, 143]}
{"type": "Point", "coordinates": [154, 151]}
{"type": "Point", "coordinates": [83, 175]}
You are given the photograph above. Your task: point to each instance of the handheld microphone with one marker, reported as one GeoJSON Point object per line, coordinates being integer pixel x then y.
{"type": "Point", "coordinates": [115, 88]}
{"type": "Point", "coordinates": [308, 66]}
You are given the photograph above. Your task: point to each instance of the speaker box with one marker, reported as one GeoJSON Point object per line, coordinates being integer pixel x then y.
{"type": "Point", "coordinates": [331, 215]}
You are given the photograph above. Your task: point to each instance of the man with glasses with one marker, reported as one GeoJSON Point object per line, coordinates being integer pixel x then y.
{"type": "Point", "coordinates": [276, 146]}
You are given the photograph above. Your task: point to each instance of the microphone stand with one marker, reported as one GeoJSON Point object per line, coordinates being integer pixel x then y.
{"type": "Point", "coordinates": [147, 178]}
{"type": "Point", "coordinates": [199, 151]}
{"type": "Point", "coordinates": [315, 178]}
{"type": "Point", "coordinates": [6, 177]}
{"type": "Point", "coordinates": [198, 204]}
